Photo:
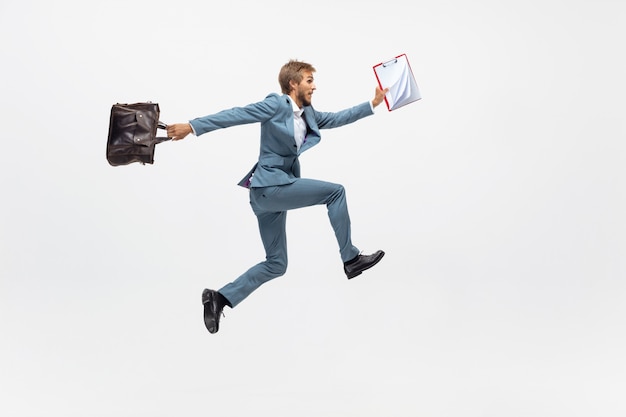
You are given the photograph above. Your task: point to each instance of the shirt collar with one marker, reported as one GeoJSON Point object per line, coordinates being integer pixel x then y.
{"type": "Point", "coordinates": [296, 110]}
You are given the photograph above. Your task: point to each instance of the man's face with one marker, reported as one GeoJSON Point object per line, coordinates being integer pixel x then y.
{"type": "Point", "coordinates": [304, 90]}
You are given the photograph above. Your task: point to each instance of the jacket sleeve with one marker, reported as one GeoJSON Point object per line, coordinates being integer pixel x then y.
{"type": "Point", "coordinates": [252, 113]}
{"type": "Point", "coordinates": [331, 120]}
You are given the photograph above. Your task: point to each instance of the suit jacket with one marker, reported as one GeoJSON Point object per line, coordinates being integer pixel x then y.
{"type": "Point", "coordinates": [278, 157]}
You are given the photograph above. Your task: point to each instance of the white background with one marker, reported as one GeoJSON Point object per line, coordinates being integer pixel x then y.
{"type": "Point", "coordinates": [499, 199]}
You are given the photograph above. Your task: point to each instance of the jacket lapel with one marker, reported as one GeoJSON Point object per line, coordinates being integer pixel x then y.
{"type": "Point", "coordinates": [312, 132]}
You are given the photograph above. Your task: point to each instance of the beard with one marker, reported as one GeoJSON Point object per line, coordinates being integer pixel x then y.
{"type": "Point", "coordinates": [304, 99]}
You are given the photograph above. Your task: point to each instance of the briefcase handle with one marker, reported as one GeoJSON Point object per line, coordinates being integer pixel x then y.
{"type": "Point", "coordinates": [161, 125]}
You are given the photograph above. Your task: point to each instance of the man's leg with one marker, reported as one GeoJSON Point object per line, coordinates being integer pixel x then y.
{"type": "Point", "coordinates": [272, 230]}
{"type": "Point", "coordinates": [306, 192]}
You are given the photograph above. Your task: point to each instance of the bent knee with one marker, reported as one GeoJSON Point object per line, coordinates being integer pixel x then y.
{"type": "Point", "coordinates": [277, 267]}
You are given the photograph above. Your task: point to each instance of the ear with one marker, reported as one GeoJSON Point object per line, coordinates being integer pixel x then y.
{"type": "Point", "coordinates": [293, 85]}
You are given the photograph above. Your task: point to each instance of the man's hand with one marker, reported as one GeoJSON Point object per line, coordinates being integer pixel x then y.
{"type": "Point", "coordinates": [379, 96]}
{"type": "Point", "coordinates": [178, 131]}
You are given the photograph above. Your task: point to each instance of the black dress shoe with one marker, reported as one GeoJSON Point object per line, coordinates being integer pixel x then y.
{"type": "Point", "coordinates": [359, 264]}
{"type": "Point", "coordinates": [214, 303]}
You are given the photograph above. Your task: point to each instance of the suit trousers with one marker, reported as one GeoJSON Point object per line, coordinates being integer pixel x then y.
{"type": "Point", "coordinates": [270, 205]}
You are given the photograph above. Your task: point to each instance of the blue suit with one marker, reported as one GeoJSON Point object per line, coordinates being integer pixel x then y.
{"type": "Point", "coordinates": [275, 184]}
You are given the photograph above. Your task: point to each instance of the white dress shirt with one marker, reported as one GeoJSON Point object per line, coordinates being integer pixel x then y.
{"type": "Point", "coordinates": [299, 125]}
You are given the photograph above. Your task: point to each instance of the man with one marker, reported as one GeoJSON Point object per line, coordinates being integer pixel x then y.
{"type": "Point", "coordinates": [289, 126]}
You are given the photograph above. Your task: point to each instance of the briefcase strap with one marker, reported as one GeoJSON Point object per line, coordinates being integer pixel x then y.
{"type": "Point", "coordinates": [163, 126]}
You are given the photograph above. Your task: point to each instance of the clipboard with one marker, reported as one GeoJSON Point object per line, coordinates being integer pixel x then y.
{"type": "Point", "coordinates": [396, 74]}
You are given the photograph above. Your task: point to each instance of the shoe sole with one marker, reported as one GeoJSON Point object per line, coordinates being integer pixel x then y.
{"type": "Point", "coordinates": [209, 322]}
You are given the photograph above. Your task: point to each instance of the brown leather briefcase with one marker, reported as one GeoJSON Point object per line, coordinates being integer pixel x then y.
{"type": "Point", "coordinates": [132, 133]}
